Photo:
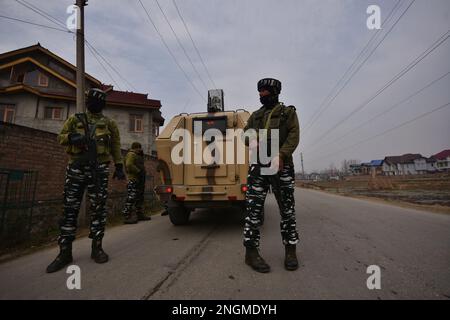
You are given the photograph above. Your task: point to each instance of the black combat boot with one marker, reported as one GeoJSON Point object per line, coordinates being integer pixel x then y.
{"type": "Point", "coordinates": [130, 220]}
{"type": "Point", "coordinates": [63, 259]}
{"type": "Point", "coordinates": [290, 260]}
{"type": "Point", "coordinates": [142, 217]}
{"type": "Point", "coordinates": [97, 253]}
{"type": "Point", "coordinates": [254, 260]}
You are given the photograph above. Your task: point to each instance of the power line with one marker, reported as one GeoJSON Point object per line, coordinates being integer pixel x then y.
{"type": "Point", "coordinates": [416, 61]}
{"type": "Point", "coordinates": [170, 51]}
{"type": "Point", "coordinates": [57, 21]}
{"type": "Point", "coordinates": [181, 45]}
{"type": "Point", "coordinates": [375, 35]}
{"type": "Point", "coordinates": [363, 62]}
{"type": "Point", "coordinates": [385, 132]}
{"type": "Point", "coordinates": [111, 66]}
{"type": "Point", "coordinates": [193, 43]}
{"type": "Point", "coordinates": [40, 12]}
{"type": "Point", "coordinates": [89, 46]}
{"type": "Point", "coordinates": [35, 24]}
{"type": "Point", "coordinates": [96, 58]}
{"type": "Point", "coordinates": [386, 111]}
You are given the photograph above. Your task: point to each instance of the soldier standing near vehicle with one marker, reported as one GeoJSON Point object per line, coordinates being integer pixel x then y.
{"type": "Point", "coordinates": [134, 166]}
{"type": "Point", "coordinates": [90, 139]}
{"type": "Point", "coordinates": [272, 115]}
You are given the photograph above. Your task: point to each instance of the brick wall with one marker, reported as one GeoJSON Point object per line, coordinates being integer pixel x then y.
{"type": "Point", "coordinates": [24, 148]}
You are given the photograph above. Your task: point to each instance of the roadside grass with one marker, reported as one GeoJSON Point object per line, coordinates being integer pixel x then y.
{"type": "Point", "coordinates": [430, 193]}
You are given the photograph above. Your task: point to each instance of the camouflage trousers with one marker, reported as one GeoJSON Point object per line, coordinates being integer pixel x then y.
{"type": "Point", "coordinates": [135, 198]}
{"type": "Point", "coordinates": [283, 185]}
{"type": "Point", "coordinates": [78, 177]}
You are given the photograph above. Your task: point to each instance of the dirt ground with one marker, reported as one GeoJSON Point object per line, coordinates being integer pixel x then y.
{"type": "Point", "coordinates": [430, 192]}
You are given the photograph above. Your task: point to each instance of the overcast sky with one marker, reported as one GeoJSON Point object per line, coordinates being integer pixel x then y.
{"type": "Point", "coordinates": [307, 44]}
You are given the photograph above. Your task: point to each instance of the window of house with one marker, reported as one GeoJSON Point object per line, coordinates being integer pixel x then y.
{"type": "Point", "coordinates": [42, 80]}
{"type": "Point", "coordinates": [155, 130]}
{"type": "Point", "coordinates": [7, 112]}
{"type": "Point", "coordinates": [53, 113]}
{"type": "Point", "coordinates": [136, 123]}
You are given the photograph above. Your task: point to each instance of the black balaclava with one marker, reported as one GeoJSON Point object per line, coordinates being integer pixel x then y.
{"type": "Point", "coordinates": [96, 100]}
{"type": "Point", "coordinates": [269, 100]}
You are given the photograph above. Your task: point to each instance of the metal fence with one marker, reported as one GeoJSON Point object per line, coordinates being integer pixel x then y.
{"type": "Point", "coordinates": [17, 197]}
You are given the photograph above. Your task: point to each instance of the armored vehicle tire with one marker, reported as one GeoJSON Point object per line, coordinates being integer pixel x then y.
{"type": "Point", "coordinates": [179, 216]}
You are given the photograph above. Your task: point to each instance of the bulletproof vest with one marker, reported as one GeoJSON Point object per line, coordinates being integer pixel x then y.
{"type": "Point", "coordinates": [274, 118]}
{"type": "Point", "coordinates": [99, 130]}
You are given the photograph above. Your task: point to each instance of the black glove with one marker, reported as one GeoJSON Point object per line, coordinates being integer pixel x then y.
{"type": "Point", "coordinates": [118, 173]}
{"type": "Point", "coordinates": [77, 139]}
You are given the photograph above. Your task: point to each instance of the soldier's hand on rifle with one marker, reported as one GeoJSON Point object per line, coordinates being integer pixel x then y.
{"type": "Point", "coordinates": [77, 139]}
{"type": "Point", "coordinates": [118, 173]}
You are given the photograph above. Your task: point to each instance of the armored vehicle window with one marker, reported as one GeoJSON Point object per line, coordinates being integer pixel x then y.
{"type": "Point", "coordinates": [219, 123]}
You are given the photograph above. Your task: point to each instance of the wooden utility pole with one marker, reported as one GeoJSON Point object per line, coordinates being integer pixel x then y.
{"type": "Point", "coordinates": [80, 56]}
{"type": "Point", "coordinates": [80, 102]}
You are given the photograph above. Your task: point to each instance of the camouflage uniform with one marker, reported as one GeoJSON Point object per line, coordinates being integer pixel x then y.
{"type": "Point", "coordinates": [282, 183]}
{"type": "Point", "coordinates": [79, 174]}
{"type": "Point", "coordinates": [134, 164]}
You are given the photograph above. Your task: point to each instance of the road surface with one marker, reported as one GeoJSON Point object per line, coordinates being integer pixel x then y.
{"type": "Point", "coordinates": [340, 237]}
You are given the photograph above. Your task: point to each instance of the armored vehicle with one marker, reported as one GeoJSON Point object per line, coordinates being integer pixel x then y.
{"type": "Point", "coordinates": [199, 167]}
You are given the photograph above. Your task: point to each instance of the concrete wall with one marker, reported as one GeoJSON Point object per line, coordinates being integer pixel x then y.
{"type": "Point", "coordinates": [30, 109]}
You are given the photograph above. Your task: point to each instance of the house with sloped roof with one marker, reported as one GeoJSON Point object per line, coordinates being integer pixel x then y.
{"type": "Point", "coordinates": [442, 160]}
{"type": "Point", "coordinates": [407, 164]}
{"type": "Point", "coordinates": [38, 90]}
{"type": "Point", "coordinates": [376, 167]}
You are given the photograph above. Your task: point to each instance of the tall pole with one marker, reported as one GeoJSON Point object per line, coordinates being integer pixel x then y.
{"type": "Point", "coordinates": [80, 57]}
{"type": "Point", "coordinates": [81, 105]}
{"type": "Point", "coordinates": [303, 169]}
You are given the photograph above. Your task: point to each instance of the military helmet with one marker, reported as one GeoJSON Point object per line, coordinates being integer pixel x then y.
{"type": "Point", "coordinates": [271, 84]}
{"type": "Point", "coordinates": [136, 145]}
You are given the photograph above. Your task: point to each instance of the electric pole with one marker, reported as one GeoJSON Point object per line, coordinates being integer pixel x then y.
{"type": "Point", "coordinates": [303, 169]}
{"type": "Point", "coordinates": [80, 56]}
{"type": "Point", "coordinates": [80, 100]}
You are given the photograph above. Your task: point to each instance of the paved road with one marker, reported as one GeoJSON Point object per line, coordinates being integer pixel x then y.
{"type": "Point", "coordinates": [340, 237]}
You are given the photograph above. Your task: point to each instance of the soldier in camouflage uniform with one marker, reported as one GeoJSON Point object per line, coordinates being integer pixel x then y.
{"type": "Point", "coordinates": [134, 166]}
{"type": "Point", "coordinates": [90, 146]}
{"type": "Point", "coordinates": [272, 115]}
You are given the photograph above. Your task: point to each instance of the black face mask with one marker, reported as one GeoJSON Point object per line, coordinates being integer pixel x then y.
{"type": "Point", "coordinates": [95, 107]}
{"type": "Point", "coordinates": [269, 100]}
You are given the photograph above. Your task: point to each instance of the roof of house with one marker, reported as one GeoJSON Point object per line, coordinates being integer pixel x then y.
{"type": "Point", "coordinates": [406, 158]}
{"type": "Point", "coordinates": [38, 47]}
{"type": "Point", "coordinates": [114, 97]}
{"type": "Point", "coordinates": [127, 97]}
{"type": "Point", "coordinates": [442, 155]}
{"type": "Point", "coordinates": [376, 163]}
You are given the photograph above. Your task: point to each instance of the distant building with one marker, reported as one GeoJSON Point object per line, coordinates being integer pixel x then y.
{"type": "Point", "coordinates": [376, 167]}
{"type": "Point", "coordinates": [38, 90]}
{"type": "Point", "coordinates": [442, 160]}
{"type": "Point", "coordinates": [355, 169]}
{"type": "Point", "coordinates": [407, 164]}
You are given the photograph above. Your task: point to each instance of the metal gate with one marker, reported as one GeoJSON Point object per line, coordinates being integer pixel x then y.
{"type": "Point", "coordinates": [17, 195]}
